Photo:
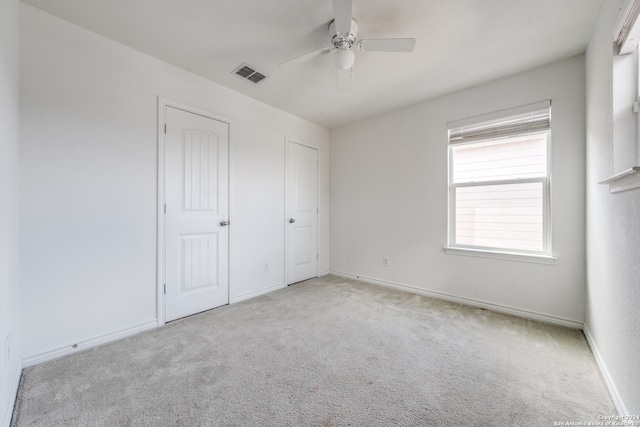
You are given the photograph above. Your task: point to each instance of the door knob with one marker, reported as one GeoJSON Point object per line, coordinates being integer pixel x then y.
{"type": "Point", "coordinates": [291, 220]}
{"type": "Point", "coordinates": [224, 223]}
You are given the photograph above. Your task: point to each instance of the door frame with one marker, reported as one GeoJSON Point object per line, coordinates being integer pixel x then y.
{"type": "Point", "coordinates": [160, 221]}
{"type": "Point", "coordinates": [287, 197]}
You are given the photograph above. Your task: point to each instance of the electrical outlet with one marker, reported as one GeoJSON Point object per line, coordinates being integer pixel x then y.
{"type": "Point", "coordinates": [385, 262]}
{"type": "Point", "coordinates": [266, 266]}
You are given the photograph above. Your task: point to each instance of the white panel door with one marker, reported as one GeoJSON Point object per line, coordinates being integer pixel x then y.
{"type": "Point", "coordinates": [197, 208]}
{"type": "Point", "coordinates": [302, 213]}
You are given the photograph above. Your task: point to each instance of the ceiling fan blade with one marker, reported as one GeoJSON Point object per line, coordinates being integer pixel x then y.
{"type": "Point", "coordinates": [344, 79]}
{"type": "Point", "coordinates": [307, 57]}
{"type": "Point", "coordinates": [342, 14]}
{"type": "Point", "coordinates": [386, 45]}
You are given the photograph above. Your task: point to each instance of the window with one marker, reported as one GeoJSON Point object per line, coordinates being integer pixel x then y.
{"type": "Point", "coordinates": [626, 92]}
{"type": "Point", "coordinates": [499, 187]}
{"type": "Point", "coordinates": [625, 97]}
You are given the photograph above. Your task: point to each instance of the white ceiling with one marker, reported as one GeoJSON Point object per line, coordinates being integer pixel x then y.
{"type": "Point", "coordinates": [459, 43]}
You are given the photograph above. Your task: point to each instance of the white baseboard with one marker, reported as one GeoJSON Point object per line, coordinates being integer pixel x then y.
{"type": "Point", "coordinates": [13, 393]}
{"type": "Point", "coordinates": [324, 273]}
{"type": "Point", "coordinates": [254, 294]}
{"type": "Point", "coordinates": [613, 391]}
{"type": "Point", "coordinates": [568, 323]}
{"type": "Point", "coordinates": [84, 345]}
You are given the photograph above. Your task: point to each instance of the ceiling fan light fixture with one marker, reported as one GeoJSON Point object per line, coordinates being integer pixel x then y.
{"type": "Point", "coordinates": [343, 32]}
{"type": "Point", "coordinates": [343, 59]}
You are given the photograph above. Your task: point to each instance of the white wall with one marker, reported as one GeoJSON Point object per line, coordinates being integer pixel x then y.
{"type": "Point", "coordinates": [613, 232]}
{"type": "Point", "coordinates": [9, 206]}
{"type": "Point", "coordinates": [389, 198]}
{"type": "Point", "coordinates": [88, 180]}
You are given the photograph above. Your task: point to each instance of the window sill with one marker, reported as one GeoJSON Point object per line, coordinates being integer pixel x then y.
{"type": "Point", "coordinates": [625, 180]}
{"type": "Point", "coordinates": [509, 256]}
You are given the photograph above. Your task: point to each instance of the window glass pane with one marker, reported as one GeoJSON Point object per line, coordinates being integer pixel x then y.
{"type": "Point", "coordinates": [505, 216]}
{"type": "Point", "coordinates": [511, 158]}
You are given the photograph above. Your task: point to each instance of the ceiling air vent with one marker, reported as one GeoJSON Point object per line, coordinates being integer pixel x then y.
{"type": "Point", "coordinates": [248, 73]}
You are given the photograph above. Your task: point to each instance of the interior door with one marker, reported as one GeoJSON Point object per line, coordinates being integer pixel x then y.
{"type": "Point", "coordinates": [196, 213]}
{"type": "Point", "coordinates": [302, 212]}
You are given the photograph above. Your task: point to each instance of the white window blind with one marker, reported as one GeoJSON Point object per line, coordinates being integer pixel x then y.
{"type": "Point", "coordinates": [515, 121]}
{"type": "Point", "coordinates": [627, 30]}
{"type": "Point", "coordinates": [499, 181]}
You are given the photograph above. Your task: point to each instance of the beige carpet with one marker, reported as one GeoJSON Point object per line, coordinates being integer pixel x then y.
{"type": "Point", "coordinates": [326, 352]}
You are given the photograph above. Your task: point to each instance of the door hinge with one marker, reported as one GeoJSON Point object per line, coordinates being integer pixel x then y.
{"type": "Point", "coordinates": [317, 257]}
{"type": "Point", "coordinates": [164, 290]}
{"type": "Point", "coordinates": [165, 208]}
{"type": "Point", "coordinates": [165, 128]}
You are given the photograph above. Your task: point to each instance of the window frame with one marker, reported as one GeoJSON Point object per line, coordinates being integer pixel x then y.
{"type": "Point", "coordinates": [542, 257]}
{"type": "Point", "coordinates": [626, 127]}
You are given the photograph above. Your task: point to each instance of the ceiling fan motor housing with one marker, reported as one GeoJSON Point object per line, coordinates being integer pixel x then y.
{"type": "Point", "coordinates": [340, 40]}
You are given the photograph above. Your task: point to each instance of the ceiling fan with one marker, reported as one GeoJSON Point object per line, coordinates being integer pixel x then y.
{"type": "Point", "coordinates": [343, 30]}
